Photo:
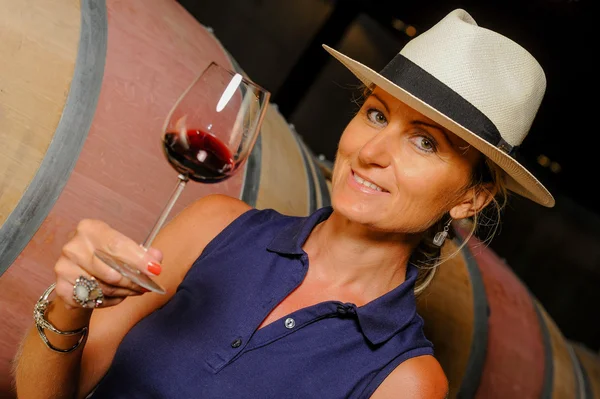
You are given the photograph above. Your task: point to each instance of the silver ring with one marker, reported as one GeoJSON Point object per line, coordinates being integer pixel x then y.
{"type": "Point", "coordinates": [87, 292]}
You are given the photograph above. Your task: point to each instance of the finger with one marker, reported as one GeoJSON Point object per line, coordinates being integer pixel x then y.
{"type": "Point", "coordinates": [156, 254]}
{"type": "Point", "coordinates": [65, 289]}
{"type": "Point", "coordinates": [70, 303]}
{"type": "Point", "coordinates": [106, 303]}
{"type": "Point", "coordinates": [115, 291]}
{"type": "Point", "coordinates": [104, 266]}
{"type": "Point", "coordinates": [70, 272]}
{"type": "Point", "coordinates": [131, 253]}
{"type": "Point", "coordinates": [96, 235]}
{"type": "Point", "coordinates": [154, 257]}
{"type": "Point", "coordinates": [99, 270]}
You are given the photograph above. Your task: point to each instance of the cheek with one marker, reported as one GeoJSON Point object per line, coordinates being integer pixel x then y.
{"type": "Point", "coordinates": [428, 178]}
{"type": "Point", "coordinates": [351, 140]}
{"type": "Point", "coordinates": [349, 145]}
{"type": "Point", "coordinates": [434, 187]}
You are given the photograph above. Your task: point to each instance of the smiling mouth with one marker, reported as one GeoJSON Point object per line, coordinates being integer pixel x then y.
{"type": "Point", "coordinates": [367, 183]}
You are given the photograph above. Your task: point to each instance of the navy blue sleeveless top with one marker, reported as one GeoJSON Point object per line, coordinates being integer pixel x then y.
{"type": "Point", "coordinates": [204, 342]}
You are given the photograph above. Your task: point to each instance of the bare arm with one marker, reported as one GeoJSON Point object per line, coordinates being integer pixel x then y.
{"type": "Point", "coordinates": [74, 375]}
{"type": "Point", "coordinates": [421, 377]}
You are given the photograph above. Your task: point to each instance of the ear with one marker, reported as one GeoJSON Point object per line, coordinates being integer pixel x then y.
{"type": "Point", "coordinates": [473, 201]}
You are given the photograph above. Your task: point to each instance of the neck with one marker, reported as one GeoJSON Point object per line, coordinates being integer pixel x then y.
{"type": "Point", "coordinates": [346, 254]}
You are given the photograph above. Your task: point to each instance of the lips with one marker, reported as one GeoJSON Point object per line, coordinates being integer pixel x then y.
{"type": "Point", "coordinates": [367, 183]}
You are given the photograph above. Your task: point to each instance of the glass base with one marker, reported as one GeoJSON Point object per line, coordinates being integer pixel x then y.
{"type": "Point", "coordinates": [131, 273]}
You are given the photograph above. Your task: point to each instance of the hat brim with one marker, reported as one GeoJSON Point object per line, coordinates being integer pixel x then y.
{"type": "Point", "coordinates": [519, 179]}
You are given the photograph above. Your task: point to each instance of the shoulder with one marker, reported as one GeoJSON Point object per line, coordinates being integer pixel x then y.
{"type": "Point", "coordinates": [218, 210]}
{"type": "Point", "coordinates": [184, 238]}
{"type": "Point", "coordinates": [209, 216]}
{"type": "Point", "coordinates": [420, 377]}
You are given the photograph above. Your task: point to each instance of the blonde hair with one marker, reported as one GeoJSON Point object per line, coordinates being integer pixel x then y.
{"type": "Point", "coordinates": [487, 178]}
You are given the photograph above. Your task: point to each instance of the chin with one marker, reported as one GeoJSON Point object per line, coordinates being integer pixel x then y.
{"type": "Point", "coordinates": [361, 212]}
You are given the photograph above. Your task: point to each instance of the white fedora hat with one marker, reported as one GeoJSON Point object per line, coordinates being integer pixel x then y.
{"type": "Point", "coordinates": [478, 84]}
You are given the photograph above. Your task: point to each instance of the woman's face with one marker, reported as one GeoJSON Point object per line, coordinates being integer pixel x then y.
{"type": "Point", "coordinates": [397, 170]}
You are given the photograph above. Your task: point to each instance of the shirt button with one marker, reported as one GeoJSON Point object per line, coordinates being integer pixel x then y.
{"type": "Point", "coordinates": [290, 323]}
{"type": "Point", "coordinates": [236, 343]}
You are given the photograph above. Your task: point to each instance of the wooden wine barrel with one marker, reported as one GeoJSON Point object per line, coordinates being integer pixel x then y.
{"type": "Point", "coordinates": [491, 336]}
{"type": "Point", "coordinates": [563, 370]}
{"type": "Point", "coordinates": [82, 102]}
{"type": "Point", "coordinates": [589, 362]}
{"type": "Point", "coordinates": [289, 179]}
{"type": "Point", "coordinates": [326, 167]}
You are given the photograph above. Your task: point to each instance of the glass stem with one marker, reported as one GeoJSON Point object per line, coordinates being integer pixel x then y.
{"type": "Point", "coordinates": [182, 180]}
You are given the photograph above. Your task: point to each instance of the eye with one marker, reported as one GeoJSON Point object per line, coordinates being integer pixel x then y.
{"type": "Point", "coordinates": [376, 116]}
{"type": "Point", "coordinates": [425, 144]}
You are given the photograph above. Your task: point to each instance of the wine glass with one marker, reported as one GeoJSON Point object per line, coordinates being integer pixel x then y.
{"type": "Point", "coordinates": [207, 136]}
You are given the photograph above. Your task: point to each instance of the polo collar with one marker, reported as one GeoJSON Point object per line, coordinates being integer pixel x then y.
{"type": "Point", "coordinates": [290, 239]}
{"type": "Point", "coordinates": [379, 319]}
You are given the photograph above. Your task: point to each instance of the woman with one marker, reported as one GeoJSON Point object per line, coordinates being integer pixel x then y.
{"type": "Point", "coordinates": [264, 305]}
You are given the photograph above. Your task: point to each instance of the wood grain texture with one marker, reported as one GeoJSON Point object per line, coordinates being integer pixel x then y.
{"type": "Point", "coordinates": [38, 47]}
{"type": "Point", "coordinates": [314, 172]}
{"type": "Point", "coordinates": [590, 363]}
{"type": "Point", "coordinates": [514, 366]}
{"type": "Point", "coordinates": [283, 176]}
{"type": "Point", "coordinates": [565, 384]}
{"type": "Point", "coordinates": [447, 309]}
{"type": "Point", "coordinates": [155, 49]}
{"type": "Point", "coordinates": [69, 137]}
{"type": "Point", "coordinates": [326, 168]}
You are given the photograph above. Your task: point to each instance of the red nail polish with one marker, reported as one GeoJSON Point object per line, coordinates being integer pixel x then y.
{"type": "Point", "coordinates": [144, 290]}
{"type": "Point", "coordinates": [154, 268]}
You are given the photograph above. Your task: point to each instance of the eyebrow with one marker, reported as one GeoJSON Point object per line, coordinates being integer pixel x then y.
{"type": "Point", "coordinates": [421, 123]}
{"type": "Point", "coordinates": [381, 101]}
{"type": "Point", "coordinates": [418, 122]}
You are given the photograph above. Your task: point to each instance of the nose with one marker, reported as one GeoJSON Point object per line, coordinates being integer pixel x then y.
{"type": "Point", "coordinates": [377, 151]}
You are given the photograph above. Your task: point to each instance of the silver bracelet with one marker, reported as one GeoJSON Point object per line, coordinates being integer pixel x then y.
{"type": "Point", "coordinates": [39, 313]}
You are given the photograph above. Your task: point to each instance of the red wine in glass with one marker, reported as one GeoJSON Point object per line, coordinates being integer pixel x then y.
{"type": "Point", "coordinates": [207, 135]}
{"type": "Point", "coordinates": [199, 155]}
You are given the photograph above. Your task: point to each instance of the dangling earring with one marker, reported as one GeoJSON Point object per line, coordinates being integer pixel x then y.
{"type": "Point", "coordinates": [440, 236]}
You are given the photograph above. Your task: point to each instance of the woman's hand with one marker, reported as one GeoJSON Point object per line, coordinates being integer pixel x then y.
{"type": "Point", "coordinates": [78, 259]}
